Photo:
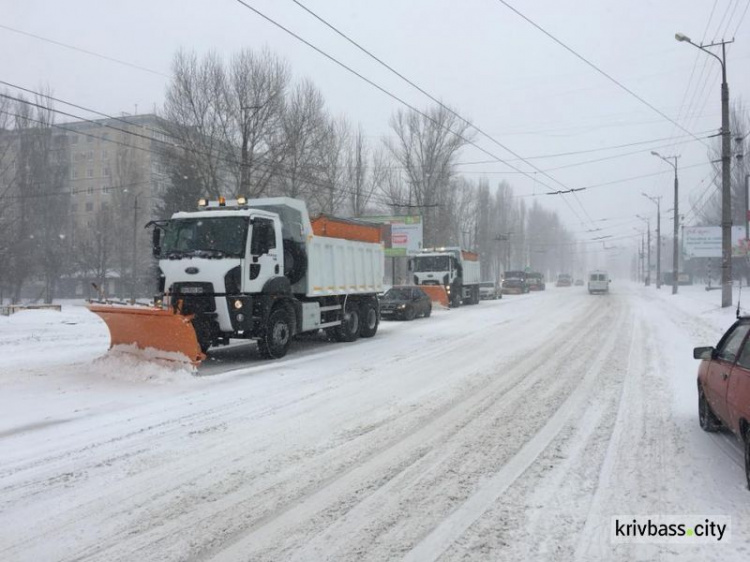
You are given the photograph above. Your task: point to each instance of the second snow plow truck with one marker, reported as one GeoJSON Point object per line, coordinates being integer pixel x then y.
{"type": "Point", "coordinates": [450, 276]}
{"type": "Point", "coordinates": [253, 269]}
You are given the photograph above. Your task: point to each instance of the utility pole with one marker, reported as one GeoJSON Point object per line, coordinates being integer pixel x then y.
{"type": "Point", "coordinates": [135, 247]}
{"type": "Point", "coordinates": [657, 201]}
{"type": "Point", "coordinates": [675, 255]}
{"type": "Point", "coordinates": [726, 194]}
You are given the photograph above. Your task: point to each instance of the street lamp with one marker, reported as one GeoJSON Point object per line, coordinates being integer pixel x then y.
{"type": "Point", "coordinates": [726, 202]}
{"type": "Point", "coordinates": [675, 263]}
{"type": "Point", "coordinates": [648, 246]}
{"type": "Point", "coordinates": [657, 201]}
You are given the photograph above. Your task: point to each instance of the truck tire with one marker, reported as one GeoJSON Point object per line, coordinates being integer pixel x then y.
{"type": "Point", "coordinates": [369, 318]}
{"type": "Point", "coordinates": [747, 457]}
{"type": "Point", "coordinates": [350, 326]}
{"type": "Point", "coordinates": [278, 335]}
{"type": "Point", "coordinates": [428, 311]}
{"type": "Point", "coordinates": [707, 419]}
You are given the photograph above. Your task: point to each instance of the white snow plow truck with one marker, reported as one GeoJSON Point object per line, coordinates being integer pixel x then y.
{"type": "Point", "coordinates": [253, 269]}
{"type": "Point", "coordinates": [450, 275]}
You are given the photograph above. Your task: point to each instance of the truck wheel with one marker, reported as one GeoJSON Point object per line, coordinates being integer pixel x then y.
{"type": "Point", "coordinates": [708, 420]}
{"type": "Point", "coordinates": [428, 311]}
{"type": "Point", "coordinates": [370, 320]}
{"type": "Point", "coordinates": [410, 313]}
{"type": "Point", "coordinates": [278, 335]}
{"type": "Point", "coordinates": [350, 325]}
{"type": "Point", "coordinates": [455, 301]}
{"type": "Point", "coordinates": [747, 457]}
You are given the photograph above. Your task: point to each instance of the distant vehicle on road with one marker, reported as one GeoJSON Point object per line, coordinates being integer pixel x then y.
{"type": "Point", "coordinates": [405, 302]}
{"type": "Point", "coordinates": [514, 283]}
{"type": "Point", "coordinates": [598, 282]}
{"type": "Point", "coordinates": [535, 281]}
{"type": "Point", "coordinates": [578, 283]}
{"type": "Point", "coordinates": [564, 280]}
{"type": "Point", "coordinates": [724, 385]}
{"type": "Point", "coordinates": [488, 291]}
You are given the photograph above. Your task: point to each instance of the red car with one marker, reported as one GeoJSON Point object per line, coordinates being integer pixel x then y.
{"type": "Point", "coordinates": [724, 385]}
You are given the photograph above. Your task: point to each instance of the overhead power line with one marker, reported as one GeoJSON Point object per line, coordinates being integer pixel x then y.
{"type": "Point", "coordinates": [597, 69]}
{"type": "Point", "coordinates": [82, 50]}
{"type": "Point", "coordinates": [397, 98]}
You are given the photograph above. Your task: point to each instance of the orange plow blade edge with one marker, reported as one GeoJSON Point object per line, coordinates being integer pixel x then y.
{"type": "Point", "coordinates": [436, 293]}
{"type": "Point", "coordinates": [162, 334]}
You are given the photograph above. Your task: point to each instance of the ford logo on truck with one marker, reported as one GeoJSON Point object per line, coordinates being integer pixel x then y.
{"type": "Point", "coordinates": [191, 270]}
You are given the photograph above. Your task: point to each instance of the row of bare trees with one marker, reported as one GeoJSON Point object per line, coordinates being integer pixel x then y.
{"type": "Point", "coordinates": [245, 127]}
{"type": "Point", "coordinates": [34, 202]}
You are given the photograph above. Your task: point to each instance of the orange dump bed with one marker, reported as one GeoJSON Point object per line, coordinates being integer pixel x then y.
{"type": "Point", "coordinates": [348, 229]}
{"type": "Point", "coordinates": [469, 256]}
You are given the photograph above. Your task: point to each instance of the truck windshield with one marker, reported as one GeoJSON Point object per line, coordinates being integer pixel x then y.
{"type": "Point", "coordinates": [205, 237]}
{"type": "Point", "coordinates": [431, 263]}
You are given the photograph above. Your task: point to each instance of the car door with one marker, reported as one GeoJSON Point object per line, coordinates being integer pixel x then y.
{"type": "Point", "coordinates": [738, 389]}
{"type": "Point", "coordinates": [720, 368]}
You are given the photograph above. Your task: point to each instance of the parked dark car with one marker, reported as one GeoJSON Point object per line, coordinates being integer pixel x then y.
{"type": "Point", "coordinates": [405, 302]}
{"type": "Point", "coordinates": [564, 280]}
{"type": "Point", "coordinates": [724, 385]}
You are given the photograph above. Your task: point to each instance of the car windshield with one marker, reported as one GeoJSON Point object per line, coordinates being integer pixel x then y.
{"type": "Point", "coordinates": [219, 236]}
{"type": "Point", "coordinates": [431, 263]}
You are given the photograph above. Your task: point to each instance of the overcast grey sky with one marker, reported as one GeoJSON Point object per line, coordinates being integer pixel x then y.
{"type": "Point", "coordinates": [478, 56]}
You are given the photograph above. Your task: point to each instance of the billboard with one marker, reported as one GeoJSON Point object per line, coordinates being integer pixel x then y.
{"type": "Point", "coordinates": [405, 236]}
{"type": "Point", "coordinates": [705, 241]}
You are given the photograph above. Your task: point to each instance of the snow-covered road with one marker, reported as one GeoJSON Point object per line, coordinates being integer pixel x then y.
{"type": "Point", "coordinates": [510, 430]}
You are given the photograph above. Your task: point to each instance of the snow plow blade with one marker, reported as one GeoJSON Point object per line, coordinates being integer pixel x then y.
{"type": "Point", "coordinates": [436, 293]}
{"type": "Point", "coordinates": [151, 332]}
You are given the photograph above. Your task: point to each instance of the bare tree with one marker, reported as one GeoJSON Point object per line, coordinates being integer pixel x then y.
{"type": "Point", "coordinates": [427, 146]}
{"type": "Point", "coordinates": [256, 101]}
{"type": "Point", "coordinates": [304, 125]}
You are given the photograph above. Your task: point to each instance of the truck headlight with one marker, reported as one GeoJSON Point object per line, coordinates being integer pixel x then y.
{"type": "Point", "coordinates": [401, 306]}
{"type": "Point", "coordinates": [238, 304]}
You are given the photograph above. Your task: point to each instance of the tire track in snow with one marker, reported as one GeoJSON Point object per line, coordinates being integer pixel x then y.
{"type": "Point", "coordinates": [433, 545]}
{"type": "Point", "coordinates": [457, 420]}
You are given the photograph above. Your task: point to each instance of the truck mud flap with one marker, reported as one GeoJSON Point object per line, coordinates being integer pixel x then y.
{"type": "Point", "coordinates": [151, 333]}
{"type": "Point", "coordinates": [437, 294]}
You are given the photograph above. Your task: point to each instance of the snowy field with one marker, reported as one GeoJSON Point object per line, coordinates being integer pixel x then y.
{"type": "Point", "coordinates": [512, 430]}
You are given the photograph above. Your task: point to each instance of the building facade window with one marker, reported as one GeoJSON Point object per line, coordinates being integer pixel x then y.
{"type": "Point", "coordinates": [90, 190]}
{"type": "Point", "coordinates": [89, 207]}
{"type": "Point", "coordinates": [90, 173]}
{"type": "Point", "coordinates": [107, 173]}
{"type": "Point", "coordinates": [74, 174]}
{"type": "Point", "coordinates": [90, 155]}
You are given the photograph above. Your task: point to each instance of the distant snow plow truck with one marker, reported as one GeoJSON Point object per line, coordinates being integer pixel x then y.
{"type": "Point", "coordinates": [450, 276]}
{"type": "Point", "coordinates": [253, 269]}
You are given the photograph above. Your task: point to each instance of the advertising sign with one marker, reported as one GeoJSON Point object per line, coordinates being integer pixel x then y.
{"type": "Point", "coordinates": [405, 237]}
{"type": "Point", "coordinates": [705, 241]}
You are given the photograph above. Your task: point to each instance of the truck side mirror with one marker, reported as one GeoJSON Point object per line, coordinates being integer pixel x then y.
{"type": "Point", "coordinates": [410, 265]}
{"type": "Point", "coordinates": [156, 242]}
